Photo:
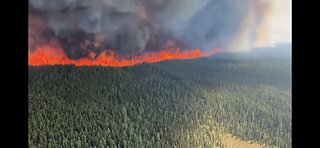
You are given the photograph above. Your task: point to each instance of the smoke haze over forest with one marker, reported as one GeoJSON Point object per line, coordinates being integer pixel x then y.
{"type": "Point", "coordinates": [135, 26]}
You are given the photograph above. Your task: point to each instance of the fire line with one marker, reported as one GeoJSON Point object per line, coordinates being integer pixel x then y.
{"type": "Point", "coordinates": [56, 56]}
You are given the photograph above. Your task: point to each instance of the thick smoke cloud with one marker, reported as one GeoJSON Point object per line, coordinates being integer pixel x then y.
{"type": "Point", "coordinates": [133, 26]}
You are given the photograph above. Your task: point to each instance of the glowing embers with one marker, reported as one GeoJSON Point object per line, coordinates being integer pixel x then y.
{"type": "Point", "coordinates": [46, 55]}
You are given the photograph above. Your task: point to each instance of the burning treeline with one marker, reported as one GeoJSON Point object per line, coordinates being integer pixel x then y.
{"type": "Point", "coordinates": [129, 32]}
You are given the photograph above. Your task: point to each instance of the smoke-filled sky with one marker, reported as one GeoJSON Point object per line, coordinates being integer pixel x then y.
{"type": "Point", "coordinates": [135, 26]}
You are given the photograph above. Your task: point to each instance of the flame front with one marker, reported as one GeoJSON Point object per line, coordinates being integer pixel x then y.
{"type": "Point", "coordinates": [47, 55]}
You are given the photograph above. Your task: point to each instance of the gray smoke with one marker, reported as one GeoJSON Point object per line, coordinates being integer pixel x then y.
{"type": "Point", "coordinates": [133, 26]}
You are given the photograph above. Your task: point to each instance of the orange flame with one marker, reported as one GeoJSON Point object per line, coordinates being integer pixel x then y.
{"type": "Point", "coordinates": [47, 55]}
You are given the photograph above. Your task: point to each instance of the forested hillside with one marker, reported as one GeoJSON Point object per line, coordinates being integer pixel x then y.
{"type": "Point", "coordinates": [182, 103]}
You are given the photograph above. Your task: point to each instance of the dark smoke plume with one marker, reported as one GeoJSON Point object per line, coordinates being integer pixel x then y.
{"type": "Point", "coordinates": [133, 26]}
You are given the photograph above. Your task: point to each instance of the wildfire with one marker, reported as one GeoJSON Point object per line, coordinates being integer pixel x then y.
{"type": "Point", "coordinates": [47, 55]}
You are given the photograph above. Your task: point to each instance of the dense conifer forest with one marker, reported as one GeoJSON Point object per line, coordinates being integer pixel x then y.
{"type": "Point", "coordinates": [181, 103]}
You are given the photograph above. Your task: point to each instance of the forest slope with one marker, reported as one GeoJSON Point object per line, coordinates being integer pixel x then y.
{"type": "Point", "coordinates": [182, 103]}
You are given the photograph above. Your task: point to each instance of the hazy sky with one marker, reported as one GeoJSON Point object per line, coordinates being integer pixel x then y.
{"type": "Point", "coordinates": [274, 25]}
{"type": "Point", "coordinates": [278, 23]}
{"type": "Point", "coordinates": [282, 21]}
